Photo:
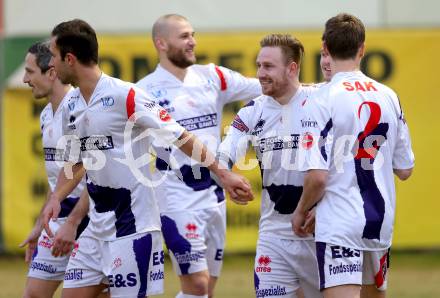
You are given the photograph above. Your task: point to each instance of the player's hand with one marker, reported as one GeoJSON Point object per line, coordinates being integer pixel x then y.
{"type": "Point", "coordinates": [309, 225]}
{"type": "Point", "coordinates": [64, 240]}
{"type": "Point", "coordinates": [51, 210]}
{"type": "Point", "coordinates": [237, 186]}
{"type": "Point", "coordinates": [298, 223]}
{"type": "Point", "coordinates": [31, 242]}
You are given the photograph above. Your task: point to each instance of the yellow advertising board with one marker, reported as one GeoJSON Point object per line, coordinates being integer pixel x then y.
{"type": "Point", "coordinates": [405, 60]}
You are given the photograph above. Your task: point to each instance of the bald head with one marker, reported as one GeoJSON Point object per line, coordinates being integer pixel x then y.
{"type": "Point", "coordinates": [161, 27]}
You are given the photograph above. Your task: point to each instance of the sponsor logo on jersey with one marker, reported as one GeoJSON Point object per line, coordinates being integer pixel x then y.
{"type": "Point", "coordinates": [45, 242]}
{"type": "Point", "coordinates": [345, 268]}
{"type": "Point", "coordinates": [272, 291]}
{"type": "Point", "coordinates": [191, 233]}
{"type": "Point", "coordinates": [53, 154]}
{"type": "Point", "coordinates": [150, 105]}
{"type": "Point", "coordinates": [199, 122]}
{"type": "Point", "coordinates": [43, 267]}
{"type": "Point", "coordinates": [239, 124]}
{"type": "Point", "coordinates": [74, 250]}
{"type": "Point", "coordinates": [164, 116]}
{"type": "Point", "coordinates": [121, 281]}
{"type": "Point", "coordinates": [258, 127]}
{"type": "Point", "coordinates": [339, 252]}
{"type": "Point", "coordinates": [263, 264]}
{"type": "Point", "coordinates": [307, 141]}
{"type": "Point", "coordinates": [117, 263]}
{"type": "Point", "coordinates": [73, 274]}
{"type": "Point", "coordinates": [308, 123]}
{"type": "Point", "coordinates": [188, 257]}
{"type": "Point", "coordinates": [107, 101]}
{"type": "Point", "coordinates": [158, 275]}
{"type": "Point", "coordinates": [279, 143]}
{"type": "Point", "coordinates": [157, 93]}
{"type": "Point", "coordinates": [96, 143]}
{"type": "Point", "coordinates": [71, 106]}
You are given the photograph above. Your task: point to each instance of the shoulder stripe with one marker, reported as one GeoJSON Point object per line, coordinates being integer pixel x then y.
{"type": "Point", "coordinates": [220, 74]}
{"type": "Point", "coordinates": [130, 105]}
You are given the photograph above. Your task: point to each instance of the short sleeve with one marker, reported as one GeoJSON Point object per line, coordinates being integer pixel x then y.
{"type": "Point", "coordinates": [234, 145]}
{"type": "Point", "coordinates": [403, 156]}
{"type": "Point", "coordinates": [147, 114]}
{"type": "Point", "coordinates": [316, 134]}
{"type": "Point", "coordinates": [234, 87]}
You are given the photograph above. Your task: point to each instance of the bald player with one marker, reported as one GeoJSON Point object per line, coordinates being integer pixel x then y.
{"type": "Point", "coordinates": [192, 205]}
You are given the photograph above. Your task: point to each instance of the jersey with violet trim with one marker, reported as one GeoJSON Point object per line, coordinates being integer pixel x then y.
{"type": "Point", "coordinates": [112, 132]}
{"type": "Point", "coordinates": [359, 136]}
{"type": "Point", "coordinates": [196, 104]}
{"type": "Point", "coordinates": [51, 132]}
{"type": "Point", "coordinates": [274, 130]}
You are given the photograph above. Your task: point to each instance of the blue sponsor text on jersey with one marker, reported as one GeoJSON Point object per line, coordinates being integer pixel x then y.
{"type": "Point", "coordinates": [199, 122]}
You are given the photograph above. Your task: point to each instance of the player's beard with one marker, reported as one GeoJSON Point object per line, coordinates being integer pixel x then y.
{"type": "Point", "coordinates": [273, 87]}
{"type": "Point", "coordinates": [179, 59]}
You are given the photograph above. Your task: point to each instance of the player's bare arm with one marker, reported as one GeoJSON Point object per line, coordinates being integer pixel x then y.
{"type": "Point", "coordinates": [65, 236]}
{"type": "Point", "coordinates": [403, 174]}
{"type": "Point", "coordinates": [32, 240]}
{"type": "Point", "coordinates": [236, 185]}
{"type": "Point", "coordinates": [314, 186]}
{"type": "Point", "coordinates": [63, 188]}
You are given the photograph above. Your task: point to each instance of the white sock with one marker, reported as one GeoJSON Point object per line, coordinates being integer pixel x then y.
{"type": "Point", "coordinates": [181, 295]}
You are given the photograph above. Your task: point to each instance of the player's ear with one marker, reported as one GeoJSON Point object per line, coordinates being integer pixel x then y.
{"type": "Point", "coordinates": [70, 59]}
{"type": "Point", "coordinates": [52, 73]}
{"type": "Point", "coordinates": [361, 51]}
{"type": "Point", "coordinates": [160, 44]}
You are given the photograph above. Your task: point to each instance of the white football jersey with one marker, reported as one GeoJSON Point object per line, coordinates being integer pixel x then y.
{"type": "Point", "coordinates": [196, 104]}
{"type": "Point", "coordinates": [274, 131]}
{"type": "Point", "coordinates": [358, 133]}
{"type": "Point", "coordinates": [51, 131]}
{"type": "Point", "coordinates": [114, 150]}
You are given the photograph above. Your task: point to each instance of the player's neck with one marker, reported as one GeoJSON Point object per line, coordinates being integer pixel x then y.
{"type": "Point", "coordinates": [88, 78]}
{"type": "Point", "coordinates": [287, 96]}
{"type": "Point", "coordinates": [59, 90]}
{"type": "Point", "coordinates": [178, 72]}
{"type": "Point", "coordinates": [344, 66]}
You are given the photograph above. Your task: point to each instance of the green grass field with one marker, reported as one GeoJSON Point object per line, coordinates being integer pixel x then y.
{"type": "Point", "coordinates": [411, 276]}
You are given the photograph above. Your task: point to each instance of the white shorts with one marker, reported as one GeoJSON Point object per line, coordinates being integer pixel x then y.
{"type": "Point", "coordinates": [44, 265]}
{"type": "Point", "coordinates": [284, 265]}
{"type": "Point", "coordinates": [196, 239]}
{"type": "Point", "coordinates": [342, 266]}
{"type": "Point", "coordinates": [131, 266]}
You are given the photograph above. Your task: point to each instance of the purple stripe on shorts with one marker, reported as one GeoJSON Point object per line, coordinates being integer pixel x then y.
{"type": "Point", "coordinates": [142, 250]}
{"type": "Point", "coordinates": [320, 257]}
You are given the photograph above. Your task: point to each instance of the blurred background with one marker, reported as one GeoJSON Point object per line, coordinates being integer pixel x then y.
{"type": "Point", "coordinates": [403, 46]}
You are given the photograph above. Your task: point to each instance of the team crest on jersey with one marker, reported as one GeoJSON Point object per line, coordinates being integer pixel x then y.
{"type": "Point", "coordinates": [258, 127]}
{"type": "Point", "coordinates": [163, 115]}
{"type": "Point", "coordinates": [191, 229]}
{"type": "Point", "coordinates": [263, 264]}
{"type": "Point", "coordinates": [71, 124]}
{"type": "Point", "coordinates": [307, 141]}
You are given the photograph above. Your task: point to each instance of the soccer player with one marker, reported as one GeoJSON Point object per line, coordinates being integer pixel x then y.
{"type": "Point", "coordinates": [194, 95]}
{"type": "Point", "coordinates": [45, 271]}
{"type": "Point", "coordinates": [284, 262]}
{"type": "Point", "coordinates": [360, 137]}
{"type": "Point", "coordinates": [110, 123]}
